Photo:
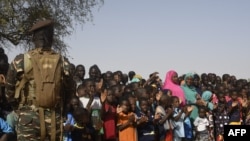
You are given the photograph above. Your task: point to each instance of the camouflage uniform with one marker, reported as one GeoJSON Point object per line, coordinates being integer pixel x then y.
{"type": "Point", "coordinates": [28, 125]}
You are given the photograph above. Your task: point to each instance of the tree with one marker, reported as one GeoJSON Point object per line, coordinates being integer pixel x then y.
{"type": "Point", "coordinates": [17, 16]}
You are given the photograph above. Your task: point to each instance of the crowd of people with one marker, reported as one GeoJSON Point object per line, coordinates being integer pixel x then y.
{"type": "Point", "coordinates": [118, 106]}
{"type": "Point", "coordinates": [126, 107]}
{"type": "Point", "coordinates": [112, 105]}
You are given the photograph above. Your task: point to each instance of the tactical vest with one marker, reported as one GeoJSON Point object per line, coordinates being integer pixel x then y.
{"type": "Point", "coordinates": [41, 85]}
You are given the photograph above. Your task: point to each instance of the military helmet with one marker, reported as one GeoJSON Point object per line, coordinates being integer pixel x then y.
{"type": "Point", "coordinates": [41, 24]}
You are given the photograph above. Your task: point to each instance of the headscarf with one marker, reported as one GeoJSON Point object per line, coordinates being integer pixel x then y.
{"type": "Point", "coordinates": [206, 96]}
{"type": "Point", "coordinates": [190, 91]}
{"type": "Point", "coordinates": [174, 88]}
{"type": "Point", "coordinates": [136, 78]}
{"type": "Point", "coordinates": [188, 75]}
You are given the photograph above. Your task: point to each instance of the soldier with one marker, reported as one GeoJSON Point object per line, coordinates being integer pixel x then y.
{"type": "Point", "coordinates": [34, 83]}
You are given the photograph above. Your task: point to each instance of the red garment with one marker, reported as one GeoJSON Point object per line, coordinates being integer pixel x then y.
{"type": "Point", "coordinates": [169, 134]}
{"type": "Point", "coordinates": [214, 99]}
{"type": "Point", "coordinates": [109, 122]}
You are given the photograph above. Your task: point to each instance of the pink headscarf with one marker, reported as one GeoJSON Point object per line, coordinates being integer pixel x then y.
{"type": "Point", "coordinates": [176, 89]}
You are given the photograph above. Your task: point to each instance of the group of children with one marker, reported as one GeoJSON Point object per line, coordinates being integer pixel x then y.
{"type": "Point", "coordinates": [114, 106]}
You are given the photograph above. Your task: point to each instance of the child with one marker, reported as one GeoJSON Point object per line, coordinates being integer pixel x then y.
{"type": "Point", "coordinates": [165, 111]}
{"type": "Point", "coordinates": [207, 97]}
{"type": "Point", "coordinates": [109, 116]}
{"type": "Point", "coordinates": [178, 117]}
{"type": "Point", "coordinates": [145, 122]}
{"type": "Point", "coordinates": [69, 123]}
{"type": "Point", "coordinates": [201, 124]}
{"type": "Point", "coordinates": [132, 102]}
{"type": "Point", "coordinates": [6, 132]}
{"type": "Point", "coordinates": [126, 122]}
{"type": "Point", "coordinates": [227, 95]}
{"type": "Point", "coordinates": [12, 119]}
{"type": "Point", "coordinates": [140, 92]}
{"type": "Point", "coordinates": [244, 102]}
{"type": "Point", "coordinates": [82, 131]}
{"type": "Point", "coordinates": [92, 102]}
{"type": "Point", "coordinates": [188, 126]}
{"type": "Point", "coordinates": [234, 109]}
{"type": "Point", "coordinates": [79, 74]}
{"type": "Point", "coordinates": [220, 115]}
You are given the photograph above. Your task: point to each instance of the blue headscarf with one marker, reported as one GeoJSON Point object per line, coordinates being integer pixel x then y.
{"type": "Point", "coordinates": [206, 96]}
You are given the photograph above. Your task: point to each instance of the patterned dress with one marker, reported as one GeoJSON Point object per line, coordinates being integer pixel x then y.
{"type": "Point", "coordinates": [220, 119]}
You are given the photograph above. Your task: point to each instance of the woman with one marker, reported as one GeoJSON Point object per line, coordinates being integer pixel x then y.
{"type": "Point", "coordinates": [192, 97]}
{"type": "Point", "coordinates": [172, 83]}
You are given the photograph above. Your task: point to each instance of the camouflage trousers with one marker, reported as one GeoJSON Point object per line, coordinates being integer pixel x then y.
{"type": "Point", "coordinates": [28, 126]}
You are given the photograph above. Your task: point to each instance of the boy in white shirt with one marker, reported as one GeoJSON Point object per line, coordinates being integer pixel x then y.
{"type": "Point", "coordinates": [201, 124]}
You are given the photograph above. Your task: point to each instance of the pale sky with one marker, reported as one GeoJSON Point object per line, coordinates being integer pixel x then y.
{"type": "Point", "coordinates": [159, 35]}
